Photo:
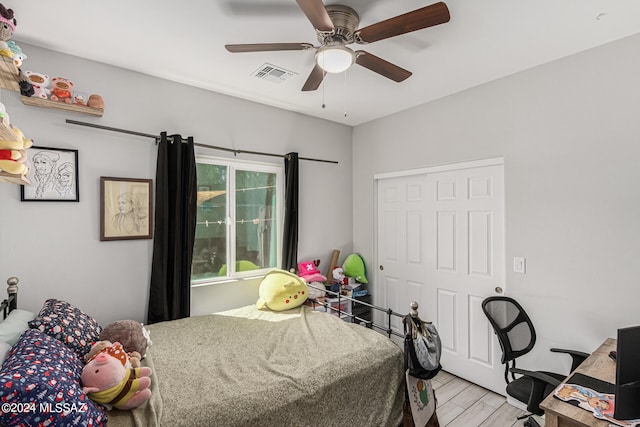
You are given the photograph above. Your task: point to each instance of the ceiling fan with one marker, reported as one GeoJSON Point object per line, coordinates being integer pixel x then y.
{"type": "Point", "coordinates": [336, 27]}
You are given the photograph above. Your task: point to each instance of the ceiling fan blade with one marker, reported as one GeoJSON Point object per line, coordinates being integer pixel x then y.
{"type": "Point", "coordinates": [317, 14]}
{"type": "Point", "coordinates": [428, 16]}
{"type": "Point", "coordinates": [266, 47]}
{"type": "Point", "coordinates": [382, 67]}
{"type": "Point", "coordinates": [314, 79]}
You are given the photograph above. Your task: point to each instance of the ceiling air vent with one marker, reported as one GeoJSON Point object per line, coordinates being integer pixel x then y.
{"type": "Point", "coordinates": [273, 73]}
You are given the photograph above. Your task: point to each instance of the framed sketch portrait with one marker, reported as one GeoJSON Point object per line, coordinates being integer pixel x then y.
{"type": "Point", "coordinates": [125, 208]}
{"type": "Point", "coordinates": [53, 173]}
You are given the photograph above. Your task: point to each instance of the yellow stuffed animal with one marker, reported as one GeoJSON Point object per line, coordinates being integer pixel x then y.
{"type": "Point", "coordinates": [13, 154]}
{"type": "Point", "coordinates": [281, 290]}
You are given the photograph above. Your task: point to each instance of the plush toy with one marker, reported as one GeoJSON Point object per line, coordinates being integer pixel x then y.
{"type": "Point", "coordinates": [61, 90]}
{"type": "Point", "coordinates": [338, 279]}
{"type": "Point", "coordinates": [79, 98]}
{"type": "Point", "coordinates": [18, 55]}
{"type": "Point", "coordinates": [96, 348]}
{"type": "Point", "coordinates": [7, 28]}
{"type": "Point", "coordinates": [13, 161]}
{"type": "Point", "coordinates": [131, 334]}
{"type": "Point", "coordinates": [107, 381]}
{"type": "Point", "coordinates": [13, 153]}
{"type": "Point", "coordinates": [281, 290]}
{"type": "Point", "coordinates": [134, 356]}
{"type": "Point", "coordinates": [40, 83]}
{"type": "Point", "coordinates": [354, 267]}
{"type": "Point", "coordinates": [95, 101]}
{"type": "Point", "coordinates": [25, 87]}
{"type": "Point", "coordinates": [308, 270]}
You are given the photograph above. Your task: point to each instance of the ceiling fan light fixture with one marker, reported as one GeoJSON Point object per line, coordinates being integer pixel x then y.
{"type": "Point", "coordinates": [334, 58]}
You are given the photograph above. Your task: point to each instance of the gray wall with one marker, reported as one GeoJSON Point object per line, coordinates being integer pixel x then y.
{"type": "Point", "coordinates": [54, 247]}
{"type": "Point", "coordinates": [569, 133]}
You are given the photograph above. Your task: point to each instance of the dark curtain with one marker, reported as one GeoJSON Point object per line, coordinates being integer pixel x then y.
{"type": "Point", "coordinates": [175, 228]}
{"type": "Point", "coordinates": [290, 238]}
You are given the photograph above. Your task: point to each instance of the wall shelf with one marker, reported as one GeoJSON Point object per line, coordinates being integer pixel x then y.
{"type": "Point", "coordinates": [13, 179]}
{"type": "Point", "coordinates": [8, 74]}
{"type": "Point", "coordinates": [47, 103]}
{"type": "Point", "coordinates": [6, 132]}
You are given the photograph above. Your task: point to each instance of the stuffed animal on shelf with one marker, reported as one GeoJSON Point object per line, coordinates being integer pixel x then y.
{"type": "Point", "coordinates": [79, 98]}
{"type": "Point", "coordinates": [40, 83]}
{"type": "Point", "coordinates": [133, 336]}
{"type": "Point", "coordinates": [7, 28]}
{"type": "Point", "coordinates": [18, 55]}
{"type": "Point", "coordinates": [13, 153]}
{"type": "Point", "coordinates": [107, 381]}
{"type": "Point", "coordinates": [61, 90]}
{"type": "Point", "coordinates": [95, 101]}
{"type": "Point", "coordinates": [281, 290]}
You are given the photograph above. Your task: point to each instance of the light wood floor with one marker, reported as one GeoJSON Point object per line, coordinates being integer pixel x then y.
{"type": "Point", "coordinates": [463, 404]}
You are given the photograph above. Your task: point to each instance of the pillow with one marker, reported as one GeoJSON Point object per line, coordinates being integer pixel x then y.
{"type": "Point", "coordinates": [61, 320]}
{"type": "Point", "coordinates": [281, 290]}
{"type": "Point", "coordinates": [4, 351]}
{"type": "Point", "coordinates": [14, 325]}
{"type": "Point", "coordinates": [41, 378]}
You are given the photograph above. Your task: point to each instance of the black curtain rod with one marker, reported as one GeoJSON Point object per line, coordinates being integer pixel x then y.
{"type": "Point", "coordinates": [157, 138]}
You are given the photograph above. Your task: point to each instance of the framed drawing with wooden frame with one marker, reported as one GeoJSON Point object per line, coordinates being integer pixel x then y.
{"type": "Point", "coordinates": [125, 208]}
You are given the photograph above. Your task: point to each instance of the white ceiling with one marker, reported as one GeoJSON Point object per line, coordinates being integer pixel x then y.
{"type": "Point", "coordinates": [184, 41]}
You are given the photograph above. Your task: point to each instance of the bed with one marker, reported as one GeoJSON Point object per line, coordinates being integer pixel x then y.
{"type": "Point", "coordinates": [299, 367]}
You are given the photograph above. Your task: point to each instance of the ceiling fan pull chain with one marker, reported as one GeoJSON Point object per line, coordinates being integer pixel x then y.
{"type": "Point", "coordinates": [323, 83]}
{"type": "Point", "coordinates": [345, 88]}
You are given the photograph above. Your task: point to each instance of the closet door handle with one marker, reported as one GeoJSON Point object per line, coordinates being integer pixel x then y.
{"type": "Point", "coordinates": [381, 267]}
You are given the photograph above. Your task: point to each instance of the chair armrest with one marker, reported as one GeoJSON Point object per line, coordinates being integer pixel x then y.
{"type": "Point", "coordinates": [537, 376]}
{"type": "Point", "coordinates": [577, 357]}
{"type": "Point", "coordinates": [540, 382]}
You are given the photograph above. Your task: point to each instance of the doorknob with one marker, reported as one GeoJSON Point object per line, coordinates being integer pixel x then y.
{"type": "Point", "coordinates": [381, 267]}
{"type": "Point", "coordinates": [498, 290]}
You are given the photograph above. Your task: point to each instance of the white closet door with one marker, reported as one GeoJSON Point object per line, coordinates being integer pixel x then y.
{"type": "Point", "coordinates": [441, 243]}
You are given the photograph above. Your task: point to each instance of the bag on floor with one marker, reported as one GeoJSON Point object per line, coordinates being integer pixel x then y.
{"type": "Point", "coordinates": [422, 401]}
{"type": "Point", "coordinates": [422, 348]}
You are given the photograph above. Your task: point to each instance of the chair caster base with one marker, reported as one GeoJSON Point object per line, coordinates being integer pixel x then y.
{"type": "Point", "coordinates": [531, 423]}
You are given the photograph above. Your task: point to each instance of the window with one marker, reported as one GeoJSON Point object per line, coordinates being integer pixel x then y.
{"type": "Point", "coordinates": [239, 211]}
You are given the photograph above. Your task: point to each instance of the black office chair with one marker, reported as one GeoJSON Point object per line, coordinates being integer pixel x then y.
{"type": "Point", "coordinates": [517, 337]}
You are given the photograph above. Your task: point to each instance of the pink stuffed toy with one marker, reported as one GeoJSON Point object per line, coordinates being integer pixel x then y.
{"type": "Point", "coordinates": [308, 270]}
{"type": "Point", "coordinates": [108, 382]}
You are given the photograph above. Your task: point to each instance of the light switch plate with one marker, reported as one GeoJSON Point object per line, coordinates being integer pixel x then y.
{"type": "Point", "coordinates": [519, 264]}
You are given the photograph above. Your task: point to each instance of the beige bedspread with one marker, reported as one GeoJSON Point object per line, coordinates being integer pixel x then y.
{"type": "Point", "coordinates": [310, 369]}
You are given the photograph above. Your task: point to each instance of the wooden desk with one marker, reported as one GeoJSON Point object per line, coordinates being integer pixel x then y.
{"type": "Point", "coordinates": [562, 414]}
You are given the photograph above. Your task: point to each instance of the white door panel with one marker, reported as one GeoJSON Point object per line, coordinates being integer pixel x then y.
{"type": "Point", "coordinates": [402, 244]}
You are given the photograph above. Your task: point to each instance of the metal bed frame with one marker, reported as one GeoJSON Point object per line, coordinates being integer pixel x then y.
{"type": "Point", "coordinates": [11, 302]}
{"type": "Point", "coordinates": [355, 319]}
